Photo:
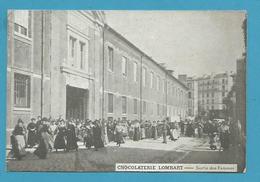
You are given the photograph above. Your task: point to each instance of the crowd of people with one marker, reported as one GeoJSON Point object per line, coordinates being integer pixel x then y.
{"type": "Point", "coordinates": [46, 134]}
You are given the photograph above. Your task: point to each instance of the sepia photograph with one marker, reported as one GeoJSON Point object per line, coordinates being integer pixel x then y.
{"type": "Point", "coordinates": [126, 91]}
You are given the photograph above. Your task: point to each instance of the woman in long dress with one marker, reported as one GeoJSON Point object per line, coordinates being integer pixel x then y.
{"type": "Point", "coordinates": [59, 142]}
{"type": "Point", "coordinates": [88, 136]}
{"type": "Point", "coordinates": [71, 138]}
{"type": "Point", "coordinates": [119, 134]}
{"type": "Point", "coordinates": [18, 140]}
{"type": "Point", "coordinates": [32, 133]}
{"type": "Point", "coordinates": [97, 139]}
{"type": "Point", "coordinates": [44, 140]}
{"type": "Point", "coordinates": [136, 136]}
{"type": "Point", "coordinates": [154, 130]}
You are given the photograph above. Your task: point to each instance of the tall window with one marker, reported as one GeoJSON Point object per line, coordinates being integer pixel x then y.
{"type": "Point", "coordinates": [21, 22]}
{"type": "Point", "coordinates": [73, 50]}
{"type": "Point", "coordinates": [124, 66]}
{"type": "Point", "coordinates": [82, 55]}
{"type": "Point", "coordinates": [21, 90]}
{"type": "Point", "coordinates": [135, 71]}
{"type": "Point", "coordinates": [110, 103]}
{"type": "Point", "coordinates": [189, 95]}
{"type": "Point", "coordinates": [110, 58]}
{"type": "Point", "coordinates": [135, 106]}
{"type": "Point", "coordinates": [158, 82]}
{"type": "Point", "coordinates": [144, 76]}
{"type": "Point", "coordinates": [163, 86]}
{"type": "Point", "coordinates": [151, 79]}
{"type": "Point", "coordinates": [124, 105]}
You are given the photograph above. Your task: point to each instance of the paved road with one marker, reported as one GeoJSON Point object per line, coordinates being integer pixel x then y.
{"type": "Point", "coordinates": [185, 150]}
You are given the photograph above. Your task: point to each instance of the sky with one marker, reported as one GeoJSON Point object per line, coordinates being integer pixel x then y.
{"type": "Point", "coordinates": [189, 42]}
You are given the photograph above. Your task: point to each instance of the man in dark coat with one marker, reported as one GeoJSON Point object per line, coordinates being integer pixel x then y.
{"type": "Point", "coordinates": [97, 138]}
{"type": "Point", "coordinates": [32, 133]}
{"type": "Point", "coordinates": [71, 138]}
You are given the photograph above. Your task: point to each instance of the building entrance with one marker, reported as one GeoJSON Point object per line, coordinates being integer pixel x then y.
{"type": "Point", "coordinates": [76, 103]}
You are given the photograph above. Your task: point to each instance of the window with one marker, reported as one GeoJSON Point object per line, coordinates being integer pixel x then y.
{"type": "Point", "coordinates": [151, 79]}
{"type": "Point", "coordinates": [212, 107]}
{"type": "Point", "coordinates": [189, 95]}
{"type": "Point", "coordinates": [135, 106]}
{"type": "Point", "coordinates": [110, 103]}
{"type": "Point", "coordinates": [144, 76]}
{"type": "Point", "coordinates": [123, 105]}
{"type": "Point", "coordinates": [110, 58]}
{"type": "Point", "coordinates": [223, 81]}
{"type": "Point", "coordinates": [189, 85]}
{"type": "Point", "coordinates": [73, 50]}
{"type": "Point", "coordinates": [135, 71]}
{"type": "Point", "coordinates": [207, 94]}
{"type": "Point", "coordinates": [163, 86]}
{"type": "Point", "coordinates": [207, 101]}
{"type": "Point", "coordinates": [144, 107]}
{"type": "Point", "coordinates": [21, 19]}
{"type": "Point", "coordinates": [21, 90]}
{"type": "Point", "coordinates": [223, 87]}
{"type": "Point", "coordinates": [212, 101]}
{"type": "Point", "coordinates": [124, 66]}
{"type": "Point", "coordinates": [212, 94]}
{"type": "Point", "coordinates": [158, 82]}
{"type": "Point", "coordinates": [82, 54]}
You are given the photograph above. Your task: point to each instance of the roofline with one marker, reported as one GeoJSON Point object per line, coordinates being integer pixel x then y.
{"type": "Point", "coordinates": [106, 26]}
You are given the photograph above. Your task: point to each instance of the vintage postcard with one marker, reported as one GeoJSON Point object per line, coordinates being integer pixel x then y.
{"type": "Point", "coordinates": [128, 91]}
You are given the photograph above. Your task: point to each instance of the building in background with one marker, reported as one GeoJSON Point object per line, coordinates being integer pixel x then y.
{"type": "Point", "coordinates": [192, 84]}
{"type": "Point", "coordinates": [136, 86]}
{"type": "Point", "coordinates": [70, 64]}
{"type": "Point", "coordinates": [206, 93]}
{"type": "Point", "coordinates": [212, 89]}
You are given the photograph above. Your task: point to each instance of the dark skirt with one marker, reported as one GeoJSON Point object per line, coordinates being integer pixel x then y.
{"type": "Point", "coordinates": [32, 138]}
{"type": "Point", "coordinates": [43, 147]}
{"type": "Point", "coordinates": [119, 138]}
{"type": "Point", "coordinates": [88, 141]}
{"type": "Point", "coordinates": [18, 153]}
{"type": "Point", "coordinates": [136, 136]}
{"type": "Point", "coordinates": [59, 142]}
{"type": "Point", "coordinates": [71, 142]}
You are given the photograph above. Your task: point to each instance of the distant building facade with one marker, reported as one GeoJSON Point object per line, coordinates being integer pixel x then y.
{"type": "Point", "coordinates": [206, 93]}
{"type": "Point", "coordinates": [192, 84]}
{"type": "Point", "coordinates": [70, 64]}
{"type": "Point", "coordinates": [212, 89]}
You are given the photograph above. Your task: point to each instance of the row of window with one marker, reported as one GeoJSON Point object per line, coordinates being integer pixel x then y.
{"type": "Point", "coordinates": [78, 52]}
{"type": "Point", "coordinates": [206, 101]}
{"type": "Point", "coordinates": [160, 84]}
{"type": "Point", "coordinates": [223, 81]}
{"type": "Point", "coordinates": [212, 94]}
{"type": "Point", "coordinates": [160, 108]}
